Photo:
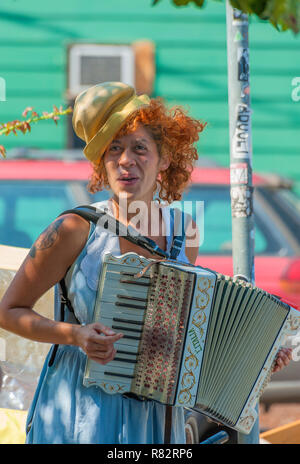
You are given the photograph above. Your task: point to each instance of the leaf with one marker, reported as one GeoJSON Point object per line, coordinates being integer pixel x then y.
{"type": "Point", "coordinates": [2, 151]}
{"type": "Point", "coordinates": [282, 14]}
{"type": "Point", "coordinates": [154, 2]}
{"type": "Point", "coordinates": [22, 127]}
{"type": "Point", "coordinates": [27, 126]}
{"type": "Point", "coordinates": [29, 108]}
{"type": "Point", "coordinates": [181, 2]}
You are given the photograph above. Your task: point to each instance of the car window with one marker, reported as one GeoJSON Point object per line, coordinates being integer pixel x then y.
{"type": "Point", "coordinates": [217, 222]}
{"type": "Point", "coordinates": [28, 207]}
{"type": "Point", "coordinates": [286, 204]}
{"type": "Point", "coordinates": [291, 199]}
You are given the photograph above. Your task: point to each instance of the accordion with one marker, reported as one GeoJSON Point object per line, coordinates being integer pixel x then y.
{"type": "Point", "coordinates": [192, 337]}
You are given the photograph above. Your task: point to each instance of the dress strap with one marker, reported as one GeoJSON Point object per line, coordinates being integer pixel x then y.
{"type": "Point", "coordinates": [177, 218]}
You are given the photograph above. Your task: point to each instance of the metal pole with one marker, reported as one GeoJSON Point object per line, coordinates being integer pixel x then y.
{"type": "Point", "coordinates": [241, 190]}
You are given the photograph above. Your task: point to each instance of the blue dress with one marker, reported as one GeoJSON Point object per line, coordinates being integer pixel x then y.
{"type": "Point", "coordinates": [64, 411]}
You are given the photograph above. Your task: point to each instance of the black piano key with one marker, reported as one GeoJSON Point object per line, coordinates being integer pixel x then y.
{"type": "Point", "coordinates": [135, 298]}
{"type": "Point", "coordinates": [127, 352]}
{"type": "Point", "coordinates": [120, 327]}
{"type": "Point", "coordinates": [126, 305]}
{"type": "Point", "coordinates": [134, 282]}
{"type": "Point", "coordinates": [131, 337]}
{"type": "Point", "coordinates": [127, 360]}
{"type": "Point", "coordinates": [127, 321]}
{"type": "Point", "coordinates": [116, 374]}
{"type": "Point", "coordinates": [132, 274]}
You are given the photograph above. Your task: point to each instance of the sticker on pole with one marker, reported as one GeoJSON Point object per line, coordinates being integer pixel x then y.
{"type": "Point", "coordinates": [241, 201]}
{"type": "Point", "coordinates": [239, 18]}
{"type": "Point", "coordinates": [239, 173]}
{"type": "Point", "coordinates": [241, 143]}
{"type": "Point", "coordinates": [243, 64]}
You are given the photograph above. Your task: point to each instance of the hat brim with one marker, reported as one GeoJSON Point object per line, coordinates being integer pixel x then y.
{"type": "Point", "coordinates": [96, 147]}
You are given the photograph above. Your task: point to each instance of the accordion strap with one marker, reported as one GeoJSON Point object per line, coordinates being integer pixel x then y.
{"type": "Point", "coordinates": [178, 235]}
{"type": "Point", "coordinates": [64, 301]}
{"type": "Point", "coordinates": [112, 224]}
{"type": "Point", "coordinates": [168, 424]}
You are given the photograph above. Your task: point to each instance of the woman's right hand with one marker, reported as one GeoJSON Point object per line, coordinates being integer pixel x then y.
{"type": "Point", "coordinates": [97, 341]}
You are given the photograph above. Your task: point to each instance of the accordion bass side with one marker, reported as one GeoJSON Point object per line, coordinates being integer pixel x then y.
{"type": "Point", "coordinates": [192, 337]}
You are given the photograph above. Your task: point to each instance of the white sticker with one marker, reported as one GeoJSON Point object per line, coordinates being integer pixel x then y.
{"type": "Point", "coordinates": [239, 173]}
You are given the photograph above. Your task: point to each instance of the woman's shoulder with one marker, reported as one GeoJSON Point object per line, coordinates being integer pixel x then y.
{"type": "Point", "coordinates": [65, 236]}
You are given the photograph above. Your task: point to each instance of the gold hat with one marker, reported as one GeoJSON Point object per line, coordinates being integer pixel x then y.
{"type": "Point", "coordinates": [99, 113]}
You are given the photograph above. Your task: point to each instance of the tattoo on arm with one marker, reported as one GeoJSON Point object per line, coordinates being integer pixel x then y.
{"type": "Point", "coordinates": [47, 238]}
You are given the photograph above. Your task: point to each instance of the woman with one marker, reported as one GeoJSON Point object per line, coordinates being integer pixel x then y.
{"type": "Point", "coordinates": [137, 147]}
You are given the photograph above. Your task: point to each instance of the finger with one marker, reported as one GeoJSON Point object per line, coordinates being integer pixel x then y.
{"type": "Point", "coordinates": [107, 340]}
{"type": "Point", "coordinates": [285, 359]}
{"type": "Point", "coordinates": [285, 355]}
{"type": "Point", "coordinates": [288, 352]}
{"type": "Point", "coordinates": [101, 360]}
{"type": "Point", "coordinates": [100, 328]}
{"type": "Point", "coordinates": [101, 349]}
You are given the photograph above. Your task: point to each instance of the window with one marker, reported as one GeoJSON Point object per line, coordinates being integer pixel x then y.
{"type": "Point", "coordinates": [217, 222]}
{"type": "Point", "coordinates": [27, 208]}
{"type": "Point", "coordinates": [90, 64]}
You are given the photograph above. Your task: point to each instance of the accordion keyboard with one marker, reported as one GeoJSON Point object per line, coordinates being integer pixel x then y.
{"type": "Point", "coordinates": [129, 298]}
{"type": "Point", "coordinates": [146, 311]}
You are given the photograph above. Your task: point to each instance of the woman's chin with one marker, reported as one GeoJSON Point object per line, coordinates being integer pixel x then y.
{"type": "Point", "coordinates": [130, 195]}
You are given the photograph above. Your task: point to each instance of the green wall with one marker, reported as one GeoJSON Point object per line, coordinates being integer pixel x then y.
{"type": "Point", "coordinates": [191, 69]}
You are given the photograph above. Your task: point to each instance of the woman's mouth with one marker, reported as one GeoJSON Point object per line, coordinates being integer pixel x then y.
{"type": "Point", "coordinates": [128, 180]}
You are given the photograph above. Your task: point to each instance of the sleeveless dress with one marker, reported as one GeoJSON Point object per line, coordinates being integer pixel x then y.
{"type": "Point", "coordinates": [63, 411]}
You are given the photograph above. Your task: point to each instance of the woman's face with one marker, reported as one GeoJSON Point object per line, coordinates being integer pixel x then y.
{"type": "Point", "coordinates": [132, 164]}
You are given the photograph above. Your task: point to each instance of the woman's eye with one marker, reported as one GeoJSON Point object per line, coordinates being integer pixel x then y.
{"type": "Point", "coordinates": [115, 147]}
{"type": "Point", "coordinates": [140, 147]}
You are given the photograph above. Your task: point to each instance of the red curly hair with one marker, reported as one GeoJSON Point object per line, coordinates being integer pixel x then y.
{"type": "Point", "coordinates": [175, 134]}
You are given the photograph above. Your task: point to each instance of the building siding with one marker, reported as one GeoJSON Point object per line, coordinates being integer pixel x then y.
{"type": "Point", "coordinates": [191, 69]}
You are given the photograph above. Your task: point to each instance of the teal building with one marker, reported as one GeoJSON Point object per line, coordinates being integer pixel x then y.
{"type": "Point", "coordinates": [189, 68]}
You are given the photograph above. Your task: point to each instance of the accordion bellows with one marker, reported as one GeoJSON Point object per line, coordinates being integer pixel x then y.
{"type": "Point", "coordinates": [192, 337]}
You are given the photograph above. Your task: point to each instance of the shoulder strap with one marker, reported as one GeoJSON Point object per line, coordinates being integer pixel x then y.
{"type": "Point", "coordinates": [111, 224]}
{"type": "Point", "coordinates": [64, 301]}
{"type": "Point", "coordinates": [178, 232]}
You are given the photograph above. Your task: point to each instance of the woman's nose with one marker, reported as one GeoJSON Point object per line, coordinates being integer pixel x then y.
{"type": "Point", "coordinates": [127, 157]}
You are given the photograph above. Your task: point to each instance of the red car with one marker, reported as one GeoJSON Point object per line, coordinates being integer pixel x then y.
{"type": "Point", "coordinates": [34, 191]}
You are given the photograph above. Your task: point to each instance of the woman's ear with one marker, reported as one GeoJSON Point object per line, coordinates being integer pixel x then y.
{"type": "Point", "coordinates": [164, 163]}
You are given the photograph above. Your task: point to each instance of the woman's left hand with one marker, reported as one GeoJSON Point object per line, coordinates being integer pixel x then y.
{"type": "Point", "coordinates": [283, 358]}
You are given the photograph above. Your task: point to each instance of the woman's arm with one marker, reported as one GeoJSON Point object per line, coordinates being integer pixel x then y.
{"type": "Point", "coordinates": [46, 264]}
